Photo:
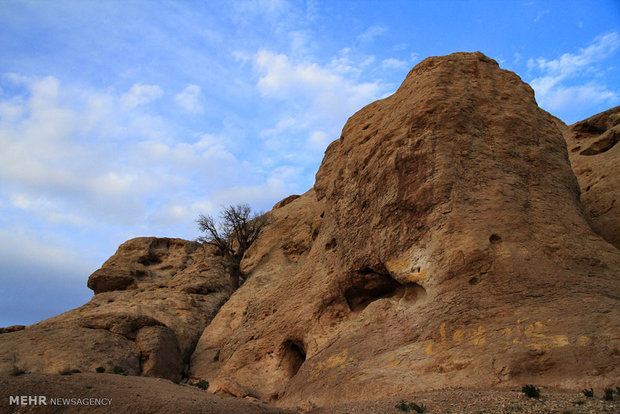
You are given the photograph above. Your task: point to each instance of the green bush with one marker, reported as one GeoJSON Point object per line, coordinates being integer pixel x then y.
{"type": "Point", "coordinates": [403, 406]}
{"type": "Point", "coordinates": [609, 394]}
{"type": "Point", "coordinates": [531, 391]}
{"type": "Point", "coordinates": [588, 393]}
{"type": "Point", "coordinates": [202, 384]}
{"type": "Point", "coordinates": [119, 370]}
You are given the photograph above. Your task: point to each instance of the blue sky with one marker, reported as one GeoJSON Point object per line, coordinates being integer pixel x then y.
{"type": "Point", "coordinates": [129, 118]}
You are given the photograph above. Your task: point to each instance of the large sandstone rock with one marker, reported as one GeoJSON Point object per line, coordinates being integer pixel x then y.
{"type": "Point", "coordinates": [596, 161]}
{"type": "Point", "coordinates": [153, 299]}
{"type": "Point", "coordinates": [443, 244]}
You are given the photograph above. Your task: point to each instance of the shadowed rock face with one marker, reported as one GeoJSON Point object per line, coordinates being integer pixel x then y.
{"type": "Point", "coordinates": [595, 156]}
{"type": "Point", "coordinates": [152, 300]}
{"type": "Point", "coordinates": [443, 244]}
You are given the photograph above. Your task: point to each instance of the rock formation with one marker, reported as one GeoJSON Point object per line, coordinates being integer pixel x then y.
{"type": "Point", "coordinates": [152, 300]}
{"type": "Point", "coordinates": [443, 244]}
{"type": "Point", "coordinates": [595, 158]}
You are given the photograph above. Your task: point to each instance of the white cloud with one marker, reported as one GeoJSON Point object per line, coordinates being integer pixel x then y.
{"type": "Point", "coordinates": [394, 64]}
{"type": "Point", "coordinates": [372, 32]}
{"type": "Point", "coordinates": [319, 139]}
{"type": "Point", "coordinates": [140, 94]}
{"type": "Point", "coordinates": [557, 85]}
{"type": "Point", "coordinates": [189, 99]}
{"type": "Point", "coordinates": [71, 157]}
{"type": "Point", "coordinates": [541, 14]}
{"type": "Point", "coordinates": [323, 97]}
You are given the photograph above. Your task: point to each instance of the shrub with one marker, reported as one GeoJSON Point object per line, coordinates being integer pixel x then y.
{"type": "Point", "coordinates": [119, 370]}
{"type": "Point", "coordinates": [403, 406]}
{"type": "Point", "coordinates": [202, 384]}
{"type": "Point", "coordinates": [588, 393]}
{"type": "Point", "coordinates": [531, 391]}
{"type": "Point", "coordinates": [238, 229]}
{"type": "Point", "coordinates": [100, 370]}
{"type": "Point", "coordinates": [609, 394]}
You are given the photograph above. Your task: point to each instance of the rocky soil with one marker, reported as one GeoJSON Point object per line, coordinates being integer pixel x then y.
{"type": "Point", "coordinates": [138, 395]}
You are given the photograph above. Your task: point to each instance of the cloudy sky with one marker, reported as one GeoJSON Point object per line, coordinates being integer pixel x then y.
{"type": "Point", "coordinates": [129, 118]}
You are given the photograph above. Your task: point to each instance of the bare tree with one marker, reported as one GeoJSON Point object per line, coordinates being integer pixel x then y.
{"type": "Point", "coordinates": [237, 230]}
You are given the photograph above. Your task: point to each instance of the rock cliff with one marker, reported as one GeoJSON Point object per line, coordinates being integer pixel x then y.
{"type": "Point", "coordinates": [446, 243]}
{"type": "Point", "coordinates": [153, 298]}
{"type": "Point", "coordinates": [595, 158]}
{"type": "Point", "coordinates": [443, 245]}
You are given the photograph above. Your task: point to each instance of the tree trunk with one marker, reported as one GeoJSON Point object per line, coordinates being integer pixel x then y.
{"type": "Point", "coordinates": [235, 272]}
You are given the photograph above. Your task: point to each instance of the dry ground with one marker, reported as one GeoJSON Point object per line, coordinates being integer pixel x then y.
{"type": "Point", "coordinates": [153, 395]}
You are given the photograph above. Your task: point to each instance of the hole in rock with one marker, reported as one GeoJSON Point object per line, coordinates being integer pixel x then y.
{"type": "Point", "coordinates": [604, 144]}
{"type": "Point", "coordinates": [331, 245]}
{"type": "Point", "coordinates": [372, 286]}
{"type": "Point", "coordinates": [293, 358]}
{"type": "Point", "coordinates": [473, 280]}
{"type": "Point", "coordinates": [494, 239]}
{"type": "Point", "coordinates": [149, 259]}
{"type": "Point", "coordinates": [589, 128]}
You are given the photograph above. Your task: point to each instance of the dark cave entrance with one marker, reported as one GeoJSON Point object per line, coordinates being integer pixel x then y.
{"type": "Point", "coordinates": [293, 358]}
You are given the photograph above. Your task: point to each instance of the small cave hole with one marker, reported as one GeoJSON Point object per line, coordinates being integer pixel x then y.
{"type": "Point", "coordinates": [494, 239]}
{"type": "Point", "coordinates": [473, 281]}
{"type": "Point", "coordinates": [293, 357]}
{"type": "Point", "coordinates": [141, 274]}
{"type": "Point", "coordinates": [374, 286]}
{"type": "Point", "coordinates": [331, 244]}
{"type": "Point", "coordinates": [588, 188]}
{"type": "Point", "coordinates": [149, 259]}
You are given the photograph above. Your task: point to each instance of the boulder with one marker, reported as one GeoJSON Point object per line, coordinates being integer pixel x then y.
{"type": "Point", "coordinates": [147, 325]}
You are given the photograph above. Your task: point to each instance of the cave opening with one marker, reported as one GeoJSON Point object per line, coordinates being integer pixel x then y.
{"type": "Point", "coordinates": [293, 358]}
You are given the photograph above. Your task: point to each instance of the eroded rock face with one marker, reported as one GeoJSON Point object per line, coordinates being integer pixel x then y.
{"type": "Point", "coordinates": [443, 244]}
{"type": "Point", "coordinates": [152, 300]}
{"type": "Point", "coordinates": [595, 157]}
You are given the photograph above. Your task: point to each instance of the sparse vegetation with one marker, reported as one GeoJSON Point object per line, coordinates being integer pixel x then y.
{"type": "Point", "coordinates": [69, 371]}
{"type": "Point", "coordinates": [608, 394]}
{"type": "Point", "coordinates": [100, 370]}
{"type": "Point", "coordinates": [411, 407]}
{"type": "Point", "coordinates": [531, 391]}
{"type": "Point", "coordinates": [588, 393]}
{"type": "Point", "coordinates": [202, 384]}
{"type": "Point", "coordinates": [237, 230]}
{"type": "Point", "coordinates": [119, 370]}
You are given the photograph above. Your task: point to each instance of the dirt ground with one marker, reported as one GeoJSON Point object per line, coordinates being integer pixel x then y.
{"type": "Point", "coordinates": [153, 395]}
{"type": "Point", "coordinates": [498, 401]}
{"type": "Point", "coordinates": [129, 395]}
